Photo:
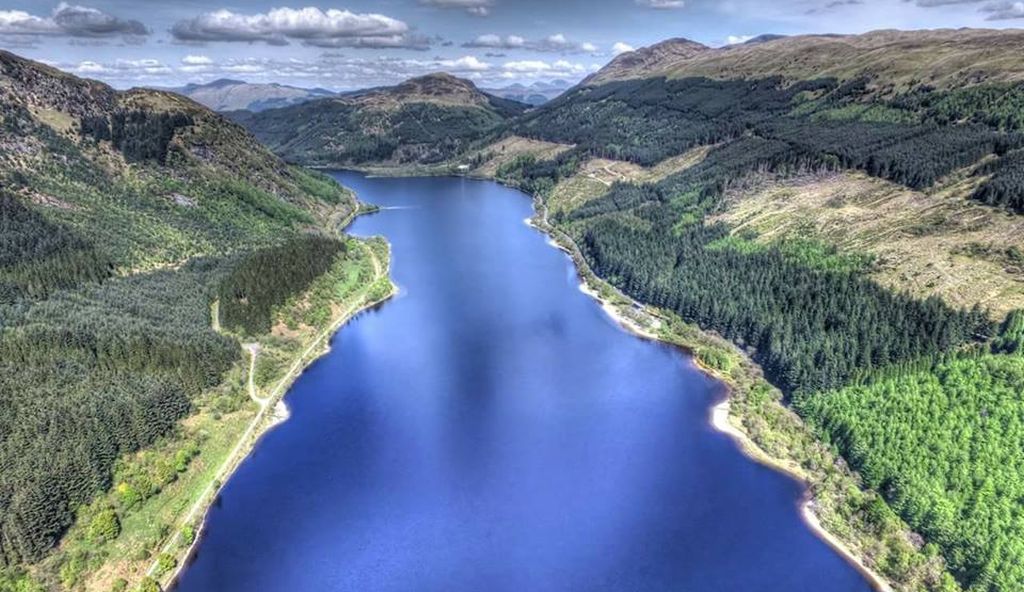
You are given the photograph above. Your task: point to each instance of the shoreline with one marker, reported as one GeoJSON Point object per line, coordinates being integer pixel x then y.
{"type": "Point", "coordinates": [719, 414]}
{"type": "Point", "coordinates": [272, 413]}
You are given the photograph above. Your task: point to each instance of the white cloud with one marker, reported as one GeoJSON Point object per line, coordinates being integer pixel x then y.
{"type": "Point", "coordinates": [88, 67]}
{"type": "Point", "coordinates": [662, 4]}
{"type": "Point", "coordinates": [331, 70]}
{"type": "Point", "coordinates": [735, 39]}
{"type": "Point", "coordinates": [473, 7]}
{"type": "Point", "coordinates": [557, 43]}
{"type": "Point", "coordinates": [497, 42]}
{"type": "Point", "coordinates": [621, 47]}
{"type": "Point", "coordinates": [465, 64]}
{"type": "Point", "coordinates": [196, 64]}
{"type": "Point", "coordinates": [196, 60]}
{"type": "Point", "coordinates": [541, 68]}
{"type": "Point", "coordinates": [310, 25]}
{"type": "Point", "coordinates": [122, 69]}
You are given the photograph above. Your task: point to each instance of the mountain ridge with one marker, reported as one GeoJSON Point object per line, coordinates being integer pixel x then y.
{"type": "Point", "coordinates": [226, 94]}
{"type": "Point", "coordinates": [937, 56]}
{"type": "Point", "coordinates": [427, 118]}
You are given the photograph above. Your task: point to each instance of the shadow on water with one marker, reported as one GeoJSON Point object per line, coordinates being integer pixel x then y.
{"type": "Point", "coordinates": [493, 430]}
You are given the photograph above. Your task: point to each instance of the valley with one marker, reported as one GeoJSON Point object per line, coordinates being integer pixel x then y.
{"type": "Point", "coordinates": [830, 226]}
{"type": "Point", "coordinates": [859, 213]}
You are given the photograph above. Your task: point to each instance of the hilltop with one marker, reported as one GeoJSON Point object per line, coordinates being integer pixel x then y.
{"type": "Point", "coordinates": [648, 61]}
{"type": "Point", "coordinates": [425, 120]}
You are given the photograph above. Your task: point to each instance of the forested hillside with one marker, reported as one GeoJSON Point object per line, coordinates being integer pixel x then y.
{"type": "Point", "coordinates": [903, 385]}
{"type": "Point", "coordinates": [122, 215]}
{"type": "Point", "coordinates": [424, 120]}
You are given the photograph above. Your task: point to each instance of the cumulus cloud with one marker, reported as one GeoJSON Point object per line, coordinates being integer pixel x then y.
{"type": "Point", "coordinates": [621, 47]}
{"type": "Point", "coordinates": [557, 43]}
{"type": "Point", "coordinates": [82, 21]}
{"type": "Point", "coordinates": [196, 60]}
{"type": "Point", "coordinates": [122, 69]}
{"type": "Point", "coordinates": [994, 11]}
{"type": "Point", "coordinates": [736, 39]}
{"type": "Point", "coordinates": [473, 7]}
{"type": "Point", "coordinates": [544, 69]}
{"type": "Point", "coordinates": [661, 4]}
{"type": "Point", "coordinates": [310, 25]}
{"type": "Point", "coordinates": [841, 4]}
{"type": "Point", "coordinates": [928, 3]}
{"type": "Point", "coordinates": [497, 42]}
{"type": "Point", "coordinates": [193, 64]}
{"type": "Point", "coordinates": [1004, 10]}
{"type": "Point", "coordinates": [68, 20]}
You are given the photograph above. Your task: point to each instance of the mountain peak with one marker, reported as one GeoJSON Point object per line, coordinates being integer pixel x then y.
{"type": "Point", "coordinates": [436, 84]}
{"type": "Point", "coordinates": [437, 87]}
{"type": "Point", "coordinates": [646, 60]}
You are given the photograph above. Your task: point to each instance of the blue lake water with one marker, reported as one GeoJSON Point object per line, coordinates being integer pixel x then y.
{"type": "Point", "coordinates": [492, 430]}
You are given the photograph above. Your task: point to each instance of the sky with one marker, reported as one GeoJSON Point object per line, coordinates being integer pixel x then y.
{"type": "Point", "coordinates": [350, 44]}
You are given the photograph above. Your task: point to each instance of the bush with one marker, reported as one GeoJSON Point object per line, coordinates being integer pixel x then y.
{"type": "Point", "coordinates": [104, 527]}
{"type": "Point", "coordinates": [165, 562]}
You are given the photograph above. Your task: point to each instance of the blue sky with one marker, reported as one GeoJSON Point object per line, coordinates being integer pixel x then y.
{"type": "Point", "coordinates": [358, 43]}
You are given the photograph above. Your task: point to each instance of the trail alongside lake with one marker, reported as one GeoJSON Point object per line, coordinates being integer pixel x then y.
{"type": "Point", "coordinates": [272, 411]}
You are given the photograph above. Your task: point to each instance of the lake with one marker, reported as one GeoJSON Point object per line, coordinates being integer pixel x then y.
{"type": "Point", "coordinates": [491, 429]}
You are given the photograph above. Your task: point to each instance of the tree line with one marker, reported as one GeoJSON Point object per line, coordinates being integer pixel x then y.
{"type": "Point", "coordinates": [263, 280]}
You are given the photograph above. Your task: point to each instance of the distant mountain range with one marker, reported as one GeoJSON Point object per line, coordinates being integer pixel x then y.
{"type": "Point", "coordinates": [233, 95]}
{"type": "Point", "coordinates": [535, 94]}
{"type": "Point", "coordinates": [226, 94]}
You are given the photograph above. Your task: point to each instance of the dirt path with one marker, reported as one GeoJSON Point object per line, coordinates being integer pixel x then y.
{"type": "Point", "coordinates": [258, 424]}
{"type": "Point", "coordinates": [254, 350]}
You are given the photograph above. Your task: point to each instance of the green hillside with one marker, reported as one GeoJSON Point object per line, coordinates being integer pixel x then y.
{"type": "Point", "coordinates": [810, 291]}
{"type": "Point", "coordinates": [424, 120]}
{"type": "Point", "coordinates": [123, 216]}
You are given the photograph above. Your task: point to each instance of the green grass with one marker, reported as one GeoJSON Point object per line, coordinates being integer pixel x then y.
{"type": "Point", "coordinates": [811, 253]}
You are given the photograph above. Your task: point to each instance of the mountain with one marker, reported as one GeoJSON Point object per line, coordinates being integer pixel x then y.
{"type": "Point", "coordinates": [941, 58]}
{"type": "Point", "coordinates": [123, 214]}
{"type": "Point", "coordinates": [425, 120]}
{"type": "Point", "coordinates": [648, 61]}
{"type": "Point", "coordinates": [535, 94]}
{"type": "Point", "coordinates": [235, 95]}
